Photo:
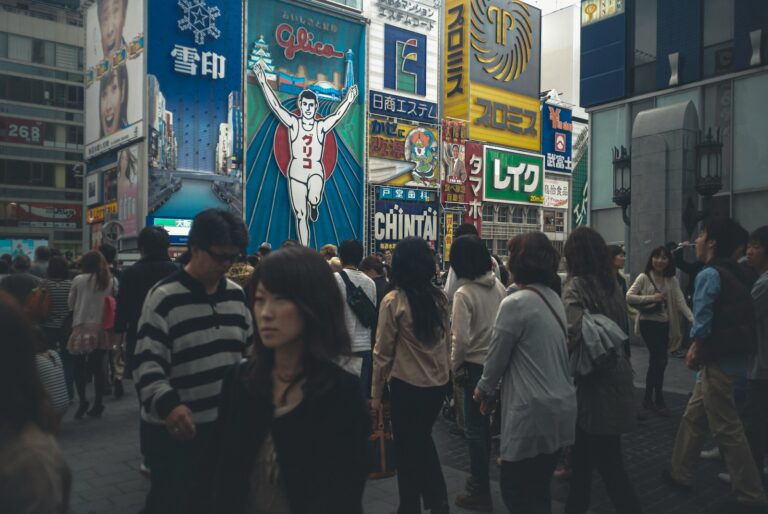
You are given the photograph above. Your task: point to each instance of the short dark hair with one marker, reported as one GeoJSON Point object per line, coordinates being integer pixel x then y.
{"type": "Point", "coordinates": [154, 241]}
{"type": "Point", "coordinates": [351, 252]}
{"type": "Point", "coordinates": [587, 255]}
{"type": "Point", "coordinates": [533, 260]}
{"type": "Point", "coordinates": [217, 227]}
{"type": "Point", "coordinates": [726, 232]}
{"type": "Point", "coordinates": [7, 258]}
{"type": "Point", "coordinates": [5, 268]}
{"type": "Point", "coordinates": [109, 252]}
{"type": "Point", "coordinates": [58, 269]}
{"type": "Point", "coordinates": [42, 253]}
{"type": "Point", "coordinates": [760, 237]}
{"type": "Point", "coordinates": [466, 229]}
{"type": "Point", "coordinates": [470, 257]}
{"type": "Point", "coordinates": [670, 270]}
{"type": "Point", "coordinates": [307, 94]}
{"type": "Point", "coordinates": [372, 262]}
{"type": "Point", "coordinates": [21, 263]}
{"type": "Point", "coordinates": [616, 250]}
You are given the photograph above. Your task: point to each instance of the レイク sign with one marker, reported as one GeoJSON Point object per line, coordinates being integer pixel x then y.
{"type": "Point", "coordinates": [513, 177]}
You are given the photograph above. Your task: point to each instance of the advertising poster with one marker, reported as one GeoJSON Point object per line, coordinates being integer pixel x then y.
{"type": "Point", "coordinates": [194, 72]}
{"type": "Point", "coordinates": [19, 130]}
{"type": "Point", "coordinates": [473, 187]}
{"type": "Point", "coordinates": [93, 194]}
{"type": "Point", "coordinates": [593, 11]}
{"type": "Point", "coordinates": [128, 190]}
{"type": "Point", "coordinates": [513, 177]}
{"type": "Point", "coordinates": [306, 114]}
{"type": "Point", "coordinates": [47, 215]}
{"type": "Point", "coordinates": [556, 193]}
{"type": "Point", "coordinates": [556, 137]}
{"type": "Point", "coordinates": [402, 154]}
{"type": "Point", "coordinates": [114, 61]}
{"type": "Point", "coordinates": [17, 247]}
{"type": "Point", "coordinates": [454, 169]}
{"type": "Point", "coordinates": [393, 221]}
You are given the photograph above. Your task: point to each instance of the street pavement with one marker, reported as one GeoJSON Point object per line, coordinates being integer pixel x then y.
{"type": "Point", "coordinates": [104, 457]}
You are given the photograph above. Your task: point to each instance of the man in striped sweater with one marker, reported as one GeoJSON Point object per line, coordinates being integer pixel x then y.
{"type": "Point", "coordinates": [194, 326]}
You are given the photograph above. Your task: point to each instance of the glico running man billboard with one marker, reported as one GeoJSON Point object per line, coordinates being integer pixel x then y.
{"type": "Point", "coordinates": [195, 119]}
{"type": "Point", "coordinates": [114, 60]}
{"type": "Point", "coordinates": [304, 140]}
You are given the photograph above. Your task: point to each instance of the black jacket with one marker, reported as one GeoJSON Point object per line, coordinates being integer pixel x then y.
{"type": "Point", "coordinates": [320, 445]}
{"type": "Point", "coordinates": [135, 283]}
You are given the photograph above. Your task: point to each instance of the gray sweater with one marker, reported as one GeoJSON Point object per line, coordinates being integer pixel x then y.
{"type": "Point", "coordinates": [528, 353]}
{"type": "Point", "coordinates": [759, 367]}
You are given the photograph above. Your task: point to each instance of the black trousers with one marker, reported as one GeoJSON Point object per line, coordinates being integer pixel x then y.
{"type": "Point", "coordinates": [86, 366]}
{"type": "Point", "coordinates": [604, 453]}
{"type": "Point", "coordinates": [656, 337]}
{"type": "Point", "coordinates": [754, 415]}
{"type": "Point", "coordinates": [525, 484]}
{"type": "Point", "coordinates": [419, 475]}
{"type": "Point", "coordinates": [181, 471]}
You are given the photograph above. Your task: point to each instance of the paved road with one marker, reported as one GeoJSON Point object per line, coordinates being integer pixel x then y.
{"type": "Point", "coordinates": [104, 457]}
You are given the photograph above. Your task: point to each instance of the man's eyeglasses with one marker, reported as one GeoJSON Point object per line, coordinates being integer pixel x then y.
{"type": "Point", "coordinates": [221, 258]}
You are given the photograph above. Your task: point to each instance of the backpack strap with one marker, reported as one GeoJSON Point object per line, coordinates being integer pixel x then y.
{"type": "Point", "coordinates": [551, 309]}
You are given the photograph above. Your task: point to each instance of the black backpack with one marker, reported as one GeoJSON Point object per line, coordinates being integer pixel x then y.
{"type": "Point", "coordinates": [359, 302]}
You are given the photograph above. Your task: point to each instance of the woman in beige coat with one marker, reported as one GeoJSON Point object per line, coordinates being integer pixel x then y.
{"type": "Point", "coordinates": [657, 295]}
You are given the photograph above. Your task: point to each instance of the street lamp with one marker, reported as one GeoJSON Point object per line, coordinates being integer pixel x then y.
{"type": "Point", "coordinates": [709, 178]}
{"type": "Point", "coordinates": [622, 180]}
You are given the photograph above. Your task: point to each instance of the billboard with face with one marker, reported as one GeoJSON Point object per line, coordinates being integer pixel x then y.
{"type": "Point", "coordinates": [304, 139]}
{"type": "Point", "coordinates": [114, 88]}
{"type": "Point", "coordinates": [128, 190]}
{"type": "Point", "coordinates": [402, 154]}
{"type": "Point", "coordinates": [195, 117]}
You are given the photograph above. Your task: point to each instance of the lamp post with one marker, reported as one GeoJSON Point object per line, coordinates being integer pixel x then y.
{"type": "Point", "coordinates": [622, 180]}
{"type": "Point", "coordinates": [709, 178]}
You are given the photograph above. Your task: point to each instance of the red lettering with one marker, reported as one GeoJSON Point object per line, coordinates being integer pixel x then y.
{"type": "Point", "coordinates": [303, 41]}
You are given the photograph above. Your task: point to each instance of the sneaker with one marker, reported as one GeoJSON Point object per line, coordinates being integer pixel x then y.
{"type": "Point", "coordinates": [724, 478]}
{"type": "Point", "coordinates": [145, 471]}
{"type": "Point", "coordinates": [668, 479]}
{"type": "Point", "coordinates": [713, 454]}
{"type": "Point", "coordinates": [475, 501]}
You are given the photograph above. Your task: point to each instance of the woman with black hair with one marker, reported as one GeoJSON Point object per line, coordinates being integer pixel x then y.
{"type": "Point", "coordinates": [656, 294]}
{"type": "Point", "coordinates": [292, 426]}
{"type": "Point", "coordinates": [475, 305]}
{"type": "Point", "coordinates": [33, 475]}
{"type": "Point", "coordinates": [605, 397]}
{"type": "Point", "coordinates": [412, 352]}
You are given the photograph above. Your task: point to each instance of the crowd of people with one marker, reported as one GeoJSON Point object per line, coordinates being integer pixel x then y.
{"type": "Point", "coordinates": [257, 376]}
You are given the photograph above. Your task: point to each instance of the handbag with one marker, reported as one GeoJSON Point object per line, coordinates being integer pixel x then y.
{"type": "Point", "coordinates": [651, 307]}
{"type": "Point", "coordinates": [358, 301]}
{"type": "Point", "coordinates": [110, 309]}
{"type": "Point", "coordinates": [380, 450]}
{"type": "Point", "coordinates": [38, 303]}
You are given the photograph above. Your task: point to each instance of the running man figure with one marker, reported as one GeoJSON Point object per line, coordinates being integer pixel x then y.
{"type": "Point", "coordinates": [306, 174]}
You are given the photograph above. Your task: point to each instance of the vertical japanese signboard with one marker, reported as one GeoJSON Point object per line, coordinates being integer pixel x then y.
{"type": "Point", "coordinates": [114, 86]}
{"type": "Point", "coordinates": [556, 136]}
{"type": "Point", "coordinates": [195, 120]}
{"type": "Point", "coordinates": [304, 139]}
{"type": "Point", "coordinates": [473, 187]}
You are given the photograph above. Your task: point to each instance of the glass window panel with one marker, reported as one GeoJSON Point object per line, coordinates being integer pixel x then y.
{"type": "Point", "coordinates": [751, 209]}
{"type": "Point", "coordinates": [693, 95]}
{"type": "Point", "coordinates": [517, 215]}
{"type": "Point", "coordinates": [50, 53]}
{"type": "Point", "coordinates": [639, 107]}
{"type": "Point", "coordinates": [717, 114]}
{"type": "Point", "coordinates": [3, 44]}
{"type": "Point", "coordinates": [19, 48]}
{"type": "Point", "coordinates": [750, 153]}
{"type": "Point", "coordinates": [609, 129]}
{"type": "Point", "coordinates": [489, 244]}
{"type": "Point", "coordinates": [718, 22]}
{"type": "Point", "coordinates": [645, 46]}
{"type": "Point", "coordinates": [533, 216]}
{"type": "Point", "coordinates": [503, 214]}
{"type": "Point", "coordinates": [66, 56]}
{"type": "Point", "coordinates": [488, 212]}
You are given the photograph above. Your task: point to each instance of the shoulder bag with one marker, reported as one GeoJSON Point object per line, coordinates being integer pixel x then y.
{"type": "Point", "coordinates": [38, 303]}
{"type": "Point", "coordinates": [651, 307]}
{"type": "Point", "coordinates": [359, 302]}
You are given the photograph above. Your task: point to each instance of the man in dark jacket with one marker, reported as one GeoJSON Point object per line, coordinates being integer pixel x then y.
{"type": "Point", "coordinates": [21, 282]}
{"type": "Point", "coordinates": [724, 336]}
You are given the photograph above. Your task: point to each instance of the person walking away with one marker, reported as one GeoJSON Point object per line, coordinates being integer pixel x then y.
{"type": "Point", "coordinates": [56, 327]}
{"type": "Point", "coordinates": [89, 341]}
{"type": "Point", "coordinates": [755, 410]}
{"type": "Point", "coordinates": [528, 352]}
{"type": "Point", "coordinates": [292, 427]}
{"type": "Point", "coordinates": [33, 474]}
{"type": "Point", "coordinates": [412, 352]}
{"type": "Point", "coordinates": [724, 336]}
{"type": "Point", "coordinates": [475, 305]}
{"type": "Point", "coordinates": [373, 266]}
{"type": "Point", "coordinates": [51, 371]}
{"type": "Point", "coordinates": [605, 397]}
{"type": "Point", "coordinates": [114, 364]}
{"type": "Point", "coordinates": [20, 282]}
{"type": "Point", "coordinates": [193, 327]}
{"type": "Point", "coordinates": [657, 296]}
{"type": "Point", "coordinates": [351, 253]}
{"type": "Point", "coordinates": [42, 258]}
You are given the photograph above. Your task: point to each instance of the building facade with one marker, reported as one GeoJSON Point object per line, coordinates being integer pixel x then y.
{"type": "Point", "coordinates": [655, 76]}
{"type": "Point", "coordinates": [41, 126]}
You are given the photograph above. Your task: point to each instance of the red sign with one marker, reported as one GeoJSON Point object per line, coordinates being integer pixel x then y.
{"type": "Point", "coordinates": [473, 187]}
{"type": "Point", "coordinates": [18, 130]}
{"type": "Point", "coordinates": [50, 215]}
{"type": "Point", "coordinates": [303, 41]}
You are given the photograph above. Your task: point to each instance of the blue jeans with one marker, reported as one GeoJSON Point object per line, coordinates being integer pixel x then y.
{"type": "Point", "coordinates": [365, 373]}
{"type": "Point", "coordinates": [477, 431]}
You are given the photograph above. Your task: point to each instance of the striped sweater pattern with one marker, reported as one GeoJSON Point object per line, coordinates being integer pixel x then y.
{"type": "Point", "coordinates": [187, 340]}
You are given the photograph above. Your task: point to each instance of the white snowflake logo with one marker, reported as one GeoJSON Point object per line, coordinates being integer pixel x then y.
{"type": "Point", "coordinates": [200, 19]}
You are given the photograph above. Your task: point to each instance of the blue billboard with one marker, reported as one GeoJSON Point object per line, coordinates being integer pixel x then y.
{"type": "Point", "coordinates": [394, 220]}
{"type": "Point", "coordinates": [556, 137]}
{"type": "Point", "coordinates": [305, 125]}
{"type": "Point", "coordinates": [194, 68]}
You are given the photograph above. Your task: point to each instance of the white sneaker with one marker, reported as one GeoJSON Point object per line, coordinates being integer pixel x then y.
{"type": "Point", "coordinates": [145, 471]}
{"type": "Point", "coordinates": [713, 454]}
{"type": "Point", "coordinates": [724, 477]}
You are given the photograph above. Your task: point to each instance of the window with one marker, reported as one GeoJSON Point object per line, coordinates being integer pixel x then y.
{"type": "Point", "coordinates": [25, 173]}
{"type": "Point", "coordinates": [66, 56]}
{"type": "Point", "coordinates": [489, 244]}
{"type": "Point", "coordinates": [533, 216]}
{"type": "Point", "coordinates": [517, 215]}
{"type": "Point", "coordinates": [609, 130]}
{"type": "Point", "coordinates": [3, 44]}
{"type": "Point", "coordinates": [554, 221]}
{"type": "Point", "coordinates": [717, 37]}
{"type": "Point", "coordinates": [488, 212]}
{"type": "Point", "coordinates": [501, 247]}
{"type": "Point", "coordinates": [21, 89]}
{"type": "Point", "coordinates": [503, 214]}
{"type": "Point", "coordinates": [19, 48]}
{"type": "Point", "coordinates": [750, 153]}
{"type": "Point", "coordinates": [645, 46]}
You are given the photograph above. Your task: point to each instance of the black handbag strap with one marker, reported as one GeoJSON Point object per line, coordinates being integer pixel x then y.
{"type": "Point", "coordinates": [652, 282]}
{"type": "Point", "coordinates": [347, 282]}
{"type": "Point", "coordinates": [551, 309]}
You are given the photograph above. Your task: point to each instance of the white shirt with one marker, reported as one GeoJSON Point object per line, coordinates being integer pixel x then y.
{"type": "Point", "coordinates": [360, 335]}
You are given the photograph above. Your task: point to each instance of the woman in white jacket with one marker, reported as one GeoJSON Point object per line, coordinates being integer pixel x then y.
{"type": "Point", "coordinates": [657, 295]}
